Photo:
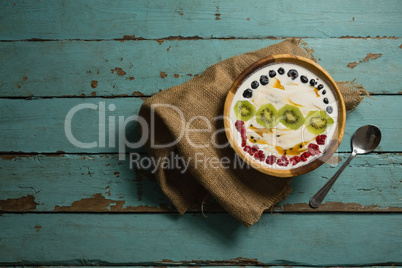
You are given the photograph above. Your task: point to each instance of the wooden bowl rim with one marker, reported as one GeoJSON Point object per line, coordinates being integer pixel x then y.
{"type": "Point", "coordinates": [316, 69]}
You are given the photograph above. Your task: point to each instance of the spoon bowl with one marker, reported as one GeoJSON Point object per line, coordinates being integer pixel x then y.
{"type": "Point", "coordinates": [364, 141]}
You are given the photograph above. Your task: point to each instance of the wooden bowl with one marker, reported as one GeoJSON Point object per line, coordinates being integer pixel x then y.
{"type": "Point", "coordinates": [339, 125]}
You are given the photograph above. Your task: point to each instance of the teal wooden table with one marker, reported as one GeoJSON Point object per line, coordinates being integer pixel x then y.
{"type": "Point", "coordinates": [62, 205]}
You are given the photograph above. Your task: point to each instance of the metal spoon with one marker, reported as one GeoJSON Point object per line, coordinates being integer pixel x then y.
{"type": "Point", "coordinates": [364, 141]}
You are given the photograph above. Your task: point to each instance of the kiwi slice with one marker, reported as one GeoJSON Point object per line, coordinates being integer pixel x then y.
{"type": "Point", "coordinates": [244, 110]}
{"type": "Point", "coordinates": [318, 121]}
{"type": "Point", "coordinates": [267, 115]}
{"type": "Point", "coordinates": [290, 116]}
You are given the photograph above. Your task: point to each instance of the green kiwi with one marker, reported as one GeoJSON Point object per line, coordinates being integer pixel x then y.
{"type": "Point", "coordinates": [267, 116]}
{"type": "Point", "coordinates": [290, 116]}
{"type": "Point", "coordinates": [318, 121]}
{"type": "Point", "coordinates": [244, 110]}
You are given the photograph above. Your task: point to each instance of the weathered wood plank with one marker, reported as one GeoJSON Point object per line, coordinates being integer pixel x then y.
{"type": "Point", "coordinates": [149, 239]}
{"type": "Point", "coordinates": [44, 122]}
{"type": "Point", "coordinates": [199, 19]}
{"type": "Point", "coordinates": [103, 183]}
{"type": "Point", "coordinates": [113, 68]}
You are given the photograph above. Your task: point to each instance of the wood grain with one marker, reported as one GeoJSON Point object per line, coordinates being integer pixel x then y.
{"type": "Point", "coordinates": [77, 68]}
{"type": "Point", "coordinates": [38, 125]}
{"type": "Point", "coordinates": [206, 19]}
{"type": "Point", "coordinates": [155, 239]}
{"type": "Point", "coordinates": [103, 183]}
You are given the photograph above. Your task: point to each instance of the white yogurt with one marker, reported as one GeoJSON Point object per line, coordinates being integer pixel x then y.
{"type": "Point", "coordinates": [302, 95]}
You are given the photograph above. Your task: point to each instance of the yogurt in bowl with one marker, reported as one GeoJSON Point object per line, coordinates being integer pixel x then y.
{"type": "Point", "coordinates": [284, 115]}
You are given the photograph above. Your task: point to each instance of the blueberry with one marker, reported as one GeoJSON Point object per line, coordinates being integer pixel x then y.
{"type": "Point", "coordinates": [303, 79]}
{"type": "Point", "coordinates": [323, 92]}
{"type": "Point", "coordinates": [329, 109]}
{"type": "Point", "coordinates": [326, 101]}
{"type": "Point", "coordinates": [281, 70]}
{"type": "Point", "coordinates": [320, 86]}
{"type": "Point", "coordinates": [264, 80]}
{"type": "Point", "coordinates": [272, 73]}
{"type": "Point", "coordinates": [313, 82]}
{"type": "Point", "coordinates": [248, 93]}
{"type": "Point", "coordinates": [254, 84]}
{"type": "Point", "coordinates": [293, 74]}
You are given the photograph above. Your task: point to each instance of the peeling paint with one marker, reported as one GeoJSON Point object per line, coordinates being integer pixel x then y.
{"type": "Point", "coordinates": [367, 37]}
{"type": "Point", "coordinates": [98, 203]}
{"type": "Point", "coordinates": [117, 174]}
{"type": "Point", "coordinates": [176, 76]}
{"type": "Point", "coordinates": [119, 71]}
{"type": "Point", "coordinates": [217, 14]}
{"type": "Point", "coordinates": [163, 74]}
{"type": "Point", "coordinates": [336, 207]}
{"type": "Point", "coordinates": [160, 41]}
{"type": "Point", "coordinates": [131, 37]}
{"type": "Point", "coordinates": [38, 227]}
{"type": "Point", "coordinates": [22, 204]}
{"type": "Point", "coordinates": [25, 78]}
{"type": "Point", "coordinates": [93, 93]}
{"type": "Point", "coordinates": [168, 48]}
{"type": "Point", "coordinates": [131, 78]}
{"type": "Point", "coordinates": [369, 56]}
{"type": "Point", "coordinates": [138, 94]}
{"type": "Point", "coordinates": [400, 46]}
{"type": "Point", "coordinates": [94, 83]}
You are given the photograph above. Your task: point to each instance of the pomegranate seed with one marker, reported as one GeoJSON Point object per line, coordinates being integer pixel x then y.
{"type": "Point", "coordinates": [320, 139]}
{"type": "Point", "coordinates": [283, 161]}
{"type": "Point", "coordinates": [313, 149]}
{"type": "Point", "coordinates": [270, 159]}
{"type": "Point", "coordinates": [243, 143]}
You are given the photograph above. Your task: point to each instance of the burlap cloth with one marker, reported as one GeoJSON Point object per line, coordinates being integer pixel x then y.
{"type": "Point", "coordinates": [244, 192]}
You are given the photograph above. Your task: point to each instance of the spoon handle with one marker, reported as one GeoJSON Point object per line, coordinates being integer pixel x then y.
{"type": "Point", "coordinates": [317, 199]}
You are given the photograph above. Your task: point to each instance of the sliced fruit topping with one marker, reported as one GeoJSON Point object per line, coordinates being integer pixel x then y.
{"type": "Point", "coordinates": [325, 101]}
{"type": "Point", "coordinates": [272, 73]}
{"type": "Point", "coordinates": [320, 139]}
{"type": "Point", "coordinates": [320, 86]}
{"type": "Point", "coordinates": [271, 159]}
{"type": "Point", "coordinates": [295, 159]}
{"type": "Point", "coordinates": [248, 93]}
{"type": "Point", "coordinates": [295, 150]}
{"type": "Point", "coordinates": [261, 131]}
{"type": "Point", "coordinates": [290, 116]}
{"type": "Point", "coordinates": [277, 84]}
{"type": "Point", "coordinates": [303, 79]}
{"type": "Point", "coordinates": [293, 74]}
{"type": "Point", "coordinates": [254, 84]}
{"type": "Point", "coordinates": [313, 149]}
{"type": "Point", "coordinates": [323, 92]}
{"type": "Point", "coordinates": [267, 116]}
{"type": "Point", "coordinates": [283, 161]}
{"type": "Point", "coordinates": [244, 110]}
{"type": "Point", "coordinates": [329, 109]}
{"type": "Point", "coordinates": [264, 80]}
{"type": "Point", "coordinates": [318, 121]}
{"type": "Point", "coordinates": [281, 70]}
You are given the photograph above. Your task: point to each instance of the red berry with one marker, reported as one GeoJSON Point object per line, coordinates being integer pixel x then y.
{"type": "Point", "coordinates": [294, 160]}
{"type": "Point", "coordinates": [239, 124]}
{"type": "Point", "coordinates": [313, 149]}
{"type": "Point", "coordinates": [320, 139]}
{"type": "Point", "coordinates": [283, 161]}
{"type": "Point", "coordinates": [270, 159]}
